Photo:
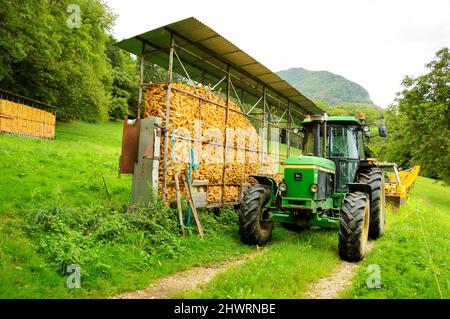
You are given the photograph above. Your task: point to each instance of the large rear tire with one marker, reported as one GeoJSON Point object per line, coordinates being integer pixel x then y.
{"type": "Point", "coordinates": [253, 230]}
{"type": "Point", "coordinates": [374, 177]}
{"type": "Point", "coordinates": [354, 226]}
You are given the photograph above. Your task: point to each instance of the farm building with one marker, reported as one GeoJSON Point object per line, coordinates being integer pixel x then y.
{"type": "Point", "coordinates": [227, 115]}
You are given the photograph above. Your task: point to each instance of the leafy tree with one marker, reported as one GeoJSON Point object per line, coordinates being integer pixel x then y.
{"type": "Point", "coordinates": [118, 108]}
{"type": "Point", "coordinates": [419, 123]}
{"type": "Point", "coordinates": [125, 86]}
{"type": "Point", "coordinates": [43, 58]}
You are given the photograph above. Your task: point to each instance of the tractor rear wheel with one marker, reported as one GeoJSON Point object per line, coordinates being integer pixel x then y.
{"type": "Point", "coordinates": [374, 177]}
{"type": "Point", "coordinates": [253, 229]}
{"type": "Point", "coordinates": [354, 226]}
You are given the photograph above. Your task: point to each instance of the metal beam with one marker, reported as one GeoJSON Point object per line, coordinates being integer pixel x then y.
{"type": "Point", "coordinates": [141, 82]}
{"type": "Point", "coordinates": [288, 133]}
{"type": "Point", "coordinates": [166, 138]}
{"type": "Point", "coordinates": [229, 84]}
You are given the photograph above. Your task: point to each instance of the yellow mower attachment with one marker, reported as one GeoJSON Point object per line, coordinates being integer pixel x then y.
{"type": "Point", "coordinates": [398, 183]}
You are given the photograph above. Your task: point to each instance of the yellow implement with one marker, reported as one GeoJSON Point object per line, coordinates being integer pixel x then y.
{"type": "Point", "coordinates": [398, 183]}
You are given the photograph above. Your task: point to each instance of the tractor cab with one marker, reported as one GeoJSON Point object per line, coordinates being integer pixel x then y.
{"type": "Point", "coordinates": [339, 139]}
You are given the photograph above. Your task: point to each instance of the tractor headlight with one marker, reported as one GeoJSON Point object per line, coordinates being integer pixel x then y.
{"type": "Point", "coordinates": [283, 188]}
{"type": "Point", "coordinates": [314, 188]}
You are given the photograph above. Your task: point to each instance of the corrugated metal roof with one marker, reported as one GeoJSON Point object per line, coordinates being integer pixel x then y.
{"type": "Point", "coordinates": [197, 38]}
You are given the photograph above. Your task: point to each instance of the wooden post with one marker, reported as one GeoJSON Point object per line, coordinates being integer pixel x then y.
{"type": "Point", "coordinates": [180, 211]}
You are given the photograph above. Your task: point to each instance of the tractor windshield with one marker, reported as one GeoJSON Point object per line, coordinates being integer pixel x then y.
{"type": "Point", "coordinates": [344, 147]}
{"type": "Point", "coordinates": [342, 141]}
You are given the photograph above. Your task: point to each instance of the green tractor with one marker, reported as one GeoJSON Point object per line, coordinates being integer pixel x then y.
{"type": "Point", "coordinates": [332, 185]}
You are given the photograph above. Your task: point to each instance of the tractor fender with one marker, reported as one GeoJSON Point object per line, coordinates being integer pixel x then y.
{"type": "Point", "coordinates": [360, 187]}
{"type": "Point", "coordinates": [264, 180]}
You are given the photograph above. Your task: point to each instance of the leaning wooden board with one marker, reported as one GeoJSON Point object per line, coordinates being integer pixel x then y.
{"type": "Point", "coordinates": [184, 109]}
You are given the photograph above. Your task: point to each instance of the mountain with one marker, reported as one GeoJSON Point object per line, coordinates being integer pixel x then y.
{"type": "Point", "coordinates": [330, 88]}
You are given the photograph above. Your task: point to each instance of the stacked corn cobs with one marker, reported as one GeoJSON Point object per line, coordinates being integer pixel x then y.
{"type": "Point", "coordinates": [205, 123]}
{"type": "Point", "coordinates": [20, 119]}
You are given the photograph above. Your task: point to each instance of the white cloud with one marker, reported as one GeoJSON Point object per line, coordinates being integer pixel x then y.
{"type": "Point", "coordinates": [374, 43]}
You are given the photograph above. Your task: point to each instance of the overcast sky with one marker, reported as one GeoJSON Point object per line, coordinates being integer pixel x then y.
{"type": "Point", "coordinates": [374, 43]}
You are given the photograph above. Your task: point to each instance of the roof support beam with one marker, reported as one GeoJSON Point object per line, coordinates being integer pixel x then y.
{"type": "Point", "coordinates": [236, 67]}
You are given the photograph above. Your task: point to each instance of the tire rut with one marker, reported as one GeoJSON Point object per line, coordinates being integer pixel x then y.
{"type": "Point", "coordinates": [341, 278]}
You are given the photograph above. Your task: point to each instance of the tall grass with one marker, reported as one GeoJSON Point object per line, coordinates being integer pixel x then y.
{"type": "Point", "coordinates": [413, 256]}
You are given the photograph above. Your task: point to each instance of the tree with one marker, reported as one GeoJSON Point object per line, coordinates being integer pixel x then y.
{"type": "Point", "coordinates": [42, 57]}
{"type": "Point", "coordinates": [419, 123]}
{"type": "Point", "coordinates": [125, 85]}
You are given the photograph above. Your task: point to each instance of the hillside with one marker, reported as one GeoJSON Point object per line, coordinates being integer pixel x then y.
{"type": "Point", "coordinates": [325, 86]}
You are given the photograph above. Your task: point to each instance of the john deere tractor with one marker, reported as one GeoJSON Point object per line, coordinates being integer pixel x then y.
{"type": "Point", "coordinates": [332, 184]}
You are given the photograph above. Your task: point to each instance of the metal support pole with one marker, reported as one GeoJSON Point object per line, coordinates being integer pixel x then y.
{"type": "Point", "coordinates": [261, 151]}
{"type": "Point", "coordinates": [269, 133]}
{"type": "Point", "coordinates": [325, 142]}
{"type": "Point", "coordinates": [166, 138]}
{"type": "Point", "coordinates": [289, 132]}
{"type": "Point", "coordinates": [225, 137]}
{"type": "Point", "coordinates": [141, 82]}
{"type": "Point", "coordinates": [317, 141]}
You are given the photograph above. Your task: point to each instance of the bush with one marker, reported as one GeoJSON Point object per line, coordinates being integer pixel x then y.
{"type": "Point", "coordinates": [118, 108]}
{"type": "Point", "coordinates": [75, 236]}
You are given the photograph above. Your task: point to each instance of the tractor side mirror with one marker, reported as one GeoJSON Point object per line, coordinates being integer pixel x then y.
{"type": "Point", "coordinates": [366, 130]}
{"type": "Point", "coordinates": [382, 131]}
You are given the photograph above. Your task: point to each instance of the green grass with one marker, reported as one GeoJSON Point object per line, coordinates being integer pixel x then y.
{"type": "Point", "coordinates": [417, 231]}
{"type": "Point", "coordinates": [34, 267]}
{"type": "Point", "coordinates": [54, 211]}
{"type": "Point", "coordinates": [67, 171]}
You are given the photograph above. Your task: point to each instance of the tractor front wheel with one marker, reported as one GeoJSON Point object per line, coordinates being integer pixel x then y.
{"type": "Point", "coordinates": [354, 226]}
{"type": "Point", "coordinates": [252, 227]}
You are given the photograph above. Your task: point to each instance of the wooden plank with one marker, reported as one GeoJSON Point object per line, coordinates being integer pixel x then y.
{"type": "Point", "coordinates": [191, 203]}
{"type": "Point", "coordinates": [180, 211]}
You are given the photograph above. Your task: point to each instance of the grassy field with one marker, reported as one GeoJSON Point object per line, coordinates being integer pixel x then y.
{"type": "Point", "coordinates": [67, 171]}
{"type": "Point", "coordinates": [54, 212]}
{"type": "Point", "coordinates": [413, 256]}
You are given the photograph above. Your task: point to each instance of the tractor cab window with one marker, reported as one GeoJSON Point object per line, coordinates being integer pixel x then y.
{"type": "Point", "coordinates": [361, 151]}
{"type": "Point", "coordinates": [309, 140]}
{"type": "Point", "coordinates": [342, 142]}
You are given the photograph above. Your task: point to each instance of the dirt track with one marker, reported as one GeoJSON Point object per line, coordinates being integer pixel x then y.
{"type": "Point", "coordinates": [171, 285]}
{"type": "Point", "coordinates": [166, 287]}
{"type": "Point", "coordinates": [330, 287]}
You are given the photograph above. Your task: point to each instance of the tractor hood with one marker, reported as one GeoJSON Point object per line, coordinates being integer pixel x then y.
{"type": "Point", "coordinates": [307, 179]}
{"type": "Point", "coordinates": [319, 163]}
